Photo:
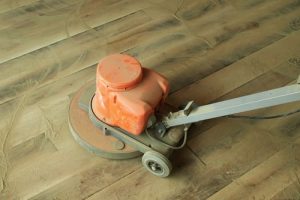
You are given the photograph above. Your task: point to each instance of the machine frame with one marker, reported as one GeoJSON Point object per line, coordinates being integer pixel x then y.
{"type": "Point", "coordinates": [165, 133]}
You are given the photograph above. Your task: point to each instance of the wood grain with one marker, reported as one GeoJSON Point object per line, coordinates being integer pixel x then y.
{"type": "Point", "coordinates": [210, 50]}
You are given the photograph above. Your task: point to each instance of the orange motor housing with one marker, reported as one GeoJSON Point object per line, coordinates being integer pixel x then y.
{"type": "Point", "coordinates": [126, 93]}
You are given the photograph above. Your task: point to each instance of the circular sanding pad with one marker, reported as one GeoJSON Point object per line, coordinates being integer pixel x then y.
{"type": "Point", "coordinates": [92, 138]}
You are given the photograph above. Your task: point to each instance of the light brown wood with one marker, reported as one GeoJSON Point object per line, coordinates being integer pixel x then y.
{"type": "Point", "coordinates": [210, 50]}
{"type": "Point", "coordinates": [7, 5]}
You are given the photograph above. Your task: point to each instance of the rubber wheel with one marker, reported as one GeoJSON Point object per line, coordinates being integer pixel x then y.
{"type": "Point", "coordinates": [157, 164]}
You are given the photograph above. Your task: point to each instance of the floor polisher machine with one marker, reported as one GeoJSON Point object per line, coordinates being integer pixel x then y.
{"type": "Point", "coordinates": [123, 114]}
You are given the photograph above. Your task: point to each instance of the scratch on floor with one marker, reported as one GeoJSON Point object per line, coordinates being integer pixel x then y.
{"type": "Point", "coordinates": [4, 163]}
{"type": "Point", "coordinates": [50, 133]}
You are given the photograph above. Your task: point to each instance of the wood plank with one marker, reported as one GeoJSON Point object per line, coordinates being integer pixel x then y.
{"type": "Point", "coordinates": [264, 82]}
{"type": "Point", "coordinates": [190, 10]}
{"type": "Point", "coordinates": [32, 28]}
{"type": "Point", "coordinates": [39, 103]}
{"type": "Point", "coordinates": [245, 146]}
{"type": "Point", "coordinates": [266, 180]}
{"type": "Point", "coordinates": [62, 166]}
{"type": "Point", "coordinates": [7, 5]}
{"type": "Point", "coordinates": [267, 81]}
{"type": "Point", "coordinates": [143, 185]}
{"type": "Point", "coordinates": [237, 47]}
{"type": "Point", "coordinates": [90, 180]}
{"type": "Point", "coordinates": [203, 61]}
{"type": "Point", "coordinates": [24, 126]}
{"type": "Point", "coordinates": [290, 192]}
{"type": "Point", "coordinates": [217, 142]}
{"type": "Point", "coordinates": [222, 82]}
{"type": "Point", "coordinates": [216, 31]}
{"type": "Point", "coordinates": [79, 56]}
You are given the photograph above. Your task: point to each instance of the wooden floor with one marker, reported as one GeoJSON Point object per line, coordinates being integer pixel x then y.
{"type": "Point", "coordinates": [210, 50]}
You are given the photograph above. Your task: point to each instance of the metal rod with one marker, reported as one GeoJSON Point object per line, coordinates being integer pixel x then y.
{"type": "Point", "coordinates": [265, 99]}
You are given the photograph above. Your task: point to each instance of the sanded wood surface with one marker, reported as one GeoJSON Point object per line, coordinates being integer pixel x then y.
{"type": "Point", "coordinates": [210, 50]}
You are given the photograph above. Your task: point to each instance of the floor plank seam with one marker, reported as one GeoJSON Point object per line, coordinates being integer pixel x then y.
{"type": "Point", "coordinates": [61, 40]}
{"type": "Point", "coordinates": [195, 155]}
{"type": "Point", "coordinates": [244, 84]}
{"type": "Point", "coordinates": [118, 180]}
{"type": "Point", "coordinates": [195, 82]}
{"type": "Point", "coordinates": [38, 86]}
{"type": "Point", "coordinates": [237, 179]}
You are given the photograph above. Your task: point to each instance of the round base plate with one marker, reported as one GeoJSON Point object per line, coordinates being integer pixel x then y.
{"type": "Point", "coordinates": [92, 138]}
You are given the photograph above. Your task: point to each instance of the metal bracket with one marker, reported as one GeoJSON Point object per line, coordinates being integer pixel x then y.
{"type": "Point", "coordinates": [160, 129]}
{"type": "Point", "coordinates": [188, 108]}
{"type": "Point", "coordinates": [264, 99]}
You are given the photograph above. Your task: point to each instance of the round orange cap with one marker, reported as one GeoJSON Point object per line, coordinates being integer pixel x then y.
{"type": "Point", "coordinates": [119, 71]}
